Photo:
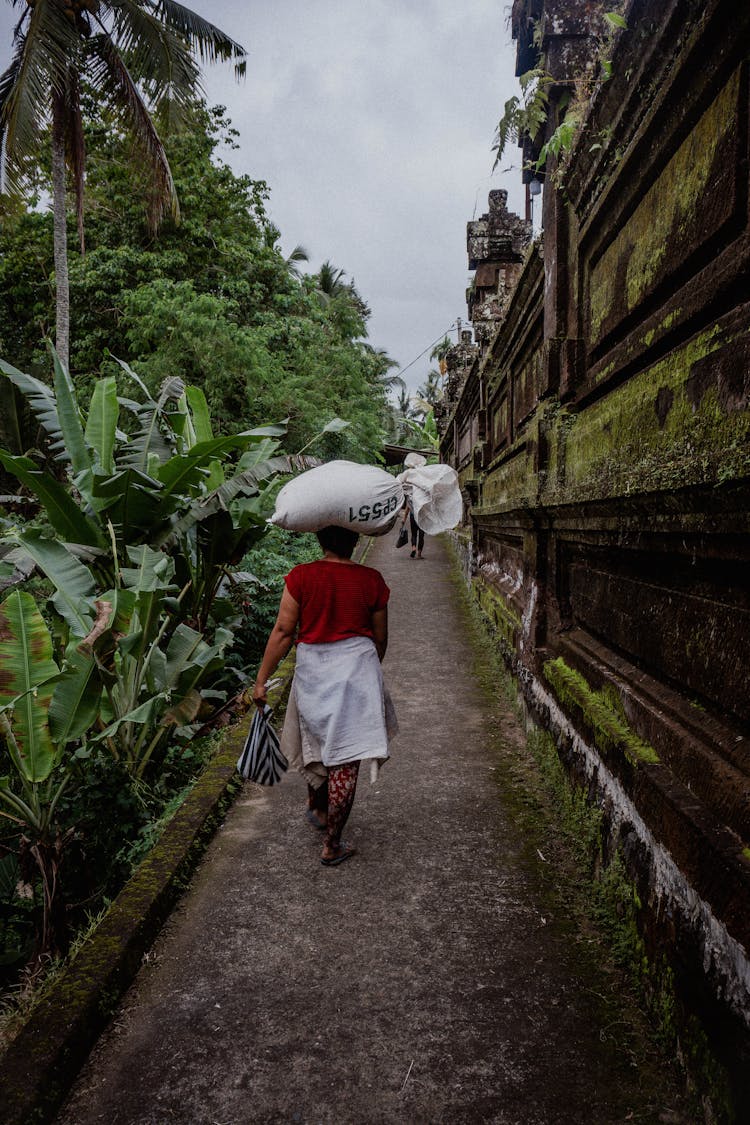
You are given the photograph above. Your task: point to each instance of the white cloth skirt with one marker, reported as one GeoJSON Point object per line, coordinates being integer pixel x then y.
{"type": "Point", "coordinates": [339, 709]}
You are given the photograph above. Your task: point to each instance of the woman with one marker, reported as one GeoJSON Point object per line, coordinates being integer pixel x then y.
{"type": "Point", "coordinates": [336, 712]}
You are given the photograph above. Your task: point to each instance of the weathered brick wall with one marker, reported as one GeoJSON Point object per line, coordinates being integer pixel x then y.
{"type": "Point", "coordinates": [609, 485]}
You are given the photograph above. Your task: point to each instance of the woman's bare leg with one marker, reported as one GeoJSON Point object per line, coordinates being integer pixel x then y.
{"type": "Point", "coordinates": [317, 804]}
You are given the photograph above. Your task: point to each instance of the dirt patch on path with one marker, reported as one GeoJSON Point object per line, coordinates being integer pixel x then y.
{"type": "Point", "coordinates": [431, 978]}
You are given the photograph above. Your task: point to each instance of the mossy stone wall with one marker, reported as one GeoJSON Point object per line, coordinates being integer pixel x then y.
{"type": "Point", "coordinates": [610, 527]}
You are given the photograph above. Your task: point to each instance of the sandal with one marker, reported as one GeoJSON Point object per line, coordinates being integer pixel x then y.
{"type": "Point", "coordinates": [345, 852]}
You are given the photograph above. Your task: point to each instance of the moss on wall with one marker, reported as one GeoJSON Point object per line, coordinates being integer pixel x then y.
{"type": "Point", "coordinates": [677, 423]}
{"type": "Point", "coordinates": [601, 711]}
{"type": "Point", "coordinates": [495, 607]}
{"type": "Point", "coordinates": [648, 338]}
{"type": "Point", "coordinates": [665, 217]}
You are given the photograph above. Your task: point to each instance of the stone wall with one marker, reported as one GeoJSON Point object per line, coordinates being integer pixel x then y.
{"type": "Point", "coordinates": [601, 437]}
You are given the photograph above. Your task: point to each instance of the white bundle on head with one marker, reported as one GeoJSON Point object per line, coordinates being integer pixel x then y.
{"type": "Point", "coordinates": [367, 500]}
{"type": "Point", "coordinates": [363, 498]}
{"type": "Point", "coordinates": [435, 497]}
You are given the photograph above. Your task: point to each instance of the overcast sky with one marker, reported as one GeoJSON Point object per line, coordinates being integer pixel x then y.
{"type": "Point", "coordinates": [372, 123]}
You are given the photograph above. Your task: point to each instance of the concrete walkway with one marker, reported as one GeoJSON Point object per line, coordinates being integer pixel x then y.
{"type": "Point", "coordinates": [434, 977]}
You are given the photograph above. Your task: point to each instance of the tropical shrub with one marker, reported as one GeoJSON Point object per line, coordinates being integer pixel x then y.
{"type": "Point", "coordinates": [147, 512]}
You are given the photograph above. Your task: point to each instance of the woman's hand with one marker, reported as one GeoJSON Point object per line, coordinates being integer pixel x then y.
{"type": "Point", "coordinates": [260, 694]}
{"type": "Point", "coordinates": [379, 624]}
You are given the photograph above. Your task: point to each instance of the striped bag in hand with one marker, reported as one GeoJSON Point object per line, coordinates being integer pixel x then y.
{"type": "Point", "coordinates": [261, 760]}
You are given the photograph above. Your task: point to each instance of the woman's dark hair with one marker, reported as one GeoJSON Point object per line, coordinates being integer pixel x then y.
{"type": "Point", "coordinates": [340, 540]}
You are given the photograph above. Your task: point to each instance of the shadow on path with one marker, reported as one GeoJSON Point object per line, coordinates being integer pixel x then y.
{"type": "Point", "coordinates": [425, 980]}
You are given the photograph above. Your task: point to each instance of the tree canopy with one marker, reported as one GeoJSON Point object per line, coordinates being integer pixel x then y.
{"type": "Point", "coordinates": [139, 59]}
{"type": "Point", "coordinates": [212, 299]}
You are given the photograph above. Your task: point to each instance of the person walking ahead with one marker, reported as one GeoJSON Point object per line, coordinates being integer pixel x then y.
{"type": "Point", "coordinates": [336, 716]}
{"type": "Point", "coordinates": [417, 535]}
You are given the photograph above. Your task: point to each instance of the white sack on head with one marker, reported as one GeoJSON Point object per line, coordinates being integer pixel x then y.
{"type": "Point", "coordinates": [363, 498]}
{"type": "Point", "coordinates": [435, 497]}
{"type": "Point", "coordinates": [414, 460]}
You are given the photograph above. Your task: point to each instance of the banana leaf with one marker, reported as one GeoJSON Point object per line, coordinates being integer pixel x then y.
{"type": "Point", "coordinates": [62, 511]}
{"type": "Point", "coordinates": [144, 713]}
{"type": "Point", "coordinates": [101, 424]}
{"type": "Point", "coordinates": [156, 672]}
{"type": "Point", "coordinates": [150, 580]}
{"type": "Point", "coordinates": [182, 423]}
{"type": "Point", "coordinates": [216, 475]}
{"type": "Point", "coordinates": [123, 607]}
{"type": "Point", "coordinates": [40, 397]}
{"type": "Point", "coordinates": [261, 451]}
{"type": "Point", "coordinates": [133, 504]}
{"type": "Point", "coordinates": [15, 567]}
{"type": "Point", "coordinates": [137, 380]}
{"type": "Point", "coordinates": [72, 437]}
{"type": "Point", "coordinates": [150, 438]}
{"type": "Point", "coordinates": [196, 400]}
{"type": "Point", "coordinates": [204, 660]}
{"type": "Point", "coordinates": [26, 667]}
{"type": "Point", "coordinates": [216, 543]}
{"type": "Point", "coordinates": [171, 390]}
{"type": "Point", "coordinates": [73, 582]}
{"type": "Point", "coordinates": [183, 645]}
{"type": "Point", "coordinates": [75, 700]}
{"type": "Point", "coordinates": [244, 484]}
{"type": "Point", "coordinates": [184, 711]}
{"type": "Point", "coordinates": [181, 473]}
{"type": "Point", "coordinates": [153, 570]}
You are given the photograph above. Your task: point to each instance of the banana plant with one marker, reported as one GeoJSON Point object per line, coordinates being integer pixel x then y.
{"type": "Point", "coordinates": [154, 513]}
{"type": "Point", "coordinates": [127, 644]}
{"type": "Point", "coordinates": [152, 666]}
{"type": "Point", "coordinates": [426, 430]}
{"type": "Point", "coordinates": [163, 480]}
{"type": "Point", "coordinates": [44, 708]}
{"type": "Point", "coordinates": [148, 512]}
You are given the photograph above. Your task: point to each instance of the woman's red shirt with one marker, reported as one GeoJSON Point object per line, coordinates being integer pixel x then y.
{"type": "Point", "coordinates": [335, 600]}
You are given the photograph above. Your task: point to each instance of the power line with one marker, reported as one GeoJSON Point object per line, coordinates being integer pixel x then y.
{"type": "Point", "coordinates": [429, 346]}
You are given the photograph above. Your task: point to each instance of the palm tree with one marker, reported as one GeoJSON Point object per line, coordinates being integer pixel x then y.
{"type": "Point", "coordinates": [431, 390]}
{"type": "Point", "coordinates": [440, 351]}
{"type": "Point", "coordinates": [397, 415]}
{"type": "Point", "coordinates": [403, 403]}
{"type": "Point", "coordinates": [330, 281]}
{"type": "Point", "coordinates": [382, 364]}
{"type": "Point", "coordinates": [299, 254]}
{"type": "Point", "coordinates": [138, 58]}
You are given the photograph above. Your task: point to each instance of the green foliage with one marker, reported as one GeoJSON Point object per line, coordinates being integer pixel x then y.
{"type": "Point", "coordinates": [143, 530]}
{"type": "Point", "coordinates": [441, 349]}
{"type": "Point", "coordinates": [211, 298]}
{"type": "Point", "coordinates": [27, 672]}
{"type": "Point", "coordinates": [430, 392]}
{"type": "Point", "coordinates": [528, 116]}
{"type": "Point", "coordinates": [426, 431]}
{"type": "Point", "coordinates": [524, 116]}
{"type": "Point", "coordinates": [615, 20]}
{"type": "Point", "coordinates": [561, 139]}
